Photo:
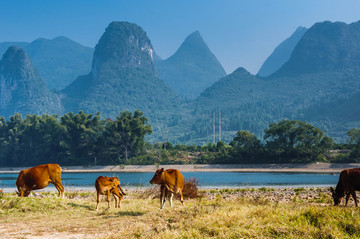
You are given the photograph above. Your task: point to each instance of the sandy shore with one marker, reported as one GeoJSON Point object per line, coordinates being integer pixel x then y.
{"type": "Point", "coordinates": [302, 168]}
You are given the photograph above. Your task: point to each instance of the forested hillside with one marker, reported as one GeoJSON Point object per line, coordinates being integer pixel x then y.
{"type": "Point", "coordinates": [322, 69]}
{"type": "Point", "coordinates": [123, 77]}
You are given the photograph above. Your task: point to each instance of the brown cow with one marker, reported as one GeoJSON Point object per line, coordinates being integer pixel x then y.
{"type": "Point", "coordinates": [39, 177]}
{"type": "Point", "coordinates": [171, 181]}
{"type": "Point", "coordinates": [108, 185]}
{"type": "Point", "coordinates": [349, 182]}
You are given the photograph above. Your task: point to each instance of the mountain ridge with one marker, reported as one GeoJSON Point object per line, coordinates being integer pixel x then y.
{"type": "Point", "coordinates": [281, 53]}
{"type": "Point", "coordinates": [192, 68]}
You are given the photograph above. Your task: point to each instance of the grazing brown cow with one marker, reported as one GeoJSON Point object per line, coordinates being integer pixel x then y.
{"type": "Point", "coordinates": [171, 181]}
{"type": "Point", "coordinates": [108, 185]}
{"type": "Point", "coordinates": [349, 182]}
{"type": "Point", "coordinates": [39, 177]}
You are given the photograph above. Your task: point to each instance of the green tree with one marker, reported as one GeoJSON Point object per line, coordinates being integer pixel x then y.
{"type": "Point", "coordinates": [246, 147]}
{"type": "Point", "coordinates": [125, 137]}
{"type": "Point", "coordinates": [354, 141]}
{"type": "Point", "coordinates": [42, 138]}
{"type": "Point", "coordinates": [82, 132]}
{"type": "Point", "coordinates": [11, 141]}
{"type": "Point", "coordinates": [296, 141]}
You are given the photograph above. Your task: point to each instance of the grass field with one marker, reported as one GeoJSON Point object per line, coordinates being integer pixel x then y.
{"type": "Point", "coordinates": [226, 213]}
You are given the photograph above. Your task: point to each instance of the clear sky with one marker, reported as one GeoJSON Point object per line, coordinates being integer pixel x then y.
{"type": "Point", "coordinates": [241, 33]}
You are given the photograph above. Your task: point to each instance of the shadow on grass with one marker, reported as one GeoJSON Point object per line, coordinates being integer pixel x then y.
{"type": "Point", "coordinates": [130, 213]}
{"type": "Point", "coordinates": [75, 205]}
{"type": "Point", "coordinates": [107, 214]}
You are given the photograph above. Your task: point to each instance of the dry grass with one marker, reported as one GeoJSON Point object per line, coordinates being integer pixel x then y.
{"type": "Point", "coordinates": [219, 214]}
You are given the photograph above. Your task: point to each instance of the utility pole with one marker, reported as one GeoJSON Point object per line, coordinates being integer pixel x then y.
{"type": "Point", "coordinates": [219, 126]}
{"type": "Point", "coordinates": [214, 128]}
{"type": "Point", "coordinates": [165, 140]}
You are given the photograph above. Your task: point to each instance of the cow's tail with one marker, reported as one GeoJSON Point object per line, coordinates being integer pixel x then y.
{"type": "Point", "coordinates": [122, 190]}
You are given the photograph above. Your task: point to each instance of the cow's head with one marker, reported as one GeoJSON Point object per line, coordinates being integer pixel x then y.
{"type": "Point", "coordinates": [115, 182]}
{"type": "Point", "coordinates": [157, 179]}
{"type": "Point", "coordinates": [22, 192]}
{"type": "Point", "coordinates": [21, 186]}
{"type": "Point", "coordinates": [336, 196]}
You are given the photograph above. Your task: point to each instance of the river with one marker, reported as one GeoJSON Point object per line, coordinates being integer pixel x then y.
{"type": "Point", "coordinates": [85, 181]}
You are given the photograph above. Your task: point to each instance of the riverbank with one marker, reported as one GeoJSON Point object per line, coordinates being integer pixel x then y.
{"type": "Point", "coordinates": [284, 168]}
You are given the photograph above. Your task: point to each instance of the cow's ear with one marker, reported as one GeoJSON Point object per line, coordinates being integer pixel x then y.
{"type": "Point", "coordinates": [161, 170]}
{"type": "Point", "coordinates": [331, 189]}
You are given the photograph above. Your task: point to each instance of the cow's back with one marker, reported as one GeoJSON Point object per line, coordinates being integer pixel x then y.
{"type": "Point", "coordinates": [54, 170]}
{"type": "Point", "coordinates": [103, 184]}
{"type": "Point", "coordinates": [174, 177]}
{"type": "Point", "coordinates": [351, 178]}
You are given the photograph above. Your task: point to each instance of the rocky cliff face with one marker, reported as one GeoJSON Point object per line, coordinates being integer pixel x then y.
{"type": "Point", "coordinates": [21, 88]}
{"type": "Point", "coordinates": [123, 45]}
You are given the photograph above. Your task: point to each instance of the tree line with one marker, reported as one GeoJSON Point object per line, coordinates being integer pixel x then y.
{"type": "Point", "coordinates": [72, 139]}
{"type": "Point", "coordinates": [87, 139]}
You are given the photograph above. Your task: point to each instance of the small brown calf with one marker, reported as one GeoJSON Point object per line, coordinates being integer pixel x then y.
{"type": "Point", "coordinates": [109, 185]}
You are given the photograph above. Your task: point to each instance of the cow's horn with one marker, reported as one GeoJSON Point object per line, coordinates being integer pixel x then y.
{"type": "Point", "coordinates": [17, 192]}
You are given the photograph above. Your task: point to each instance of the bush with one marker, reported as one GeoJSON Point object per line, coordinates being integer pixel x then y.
{"type": "Point", "coordinates": [190, 188]}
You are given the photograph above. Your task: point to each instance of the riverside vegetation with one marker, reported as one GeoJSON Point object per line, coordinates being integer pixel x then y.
{"type": "Point", "coordinates": [87, 139]}
{"type": "Point", "coordinates": [217, 213]}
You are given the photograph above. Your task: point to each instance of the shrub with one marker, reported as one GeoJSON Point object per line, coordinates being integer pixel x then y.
{"type": "Point", "coordinates": [191, 188]}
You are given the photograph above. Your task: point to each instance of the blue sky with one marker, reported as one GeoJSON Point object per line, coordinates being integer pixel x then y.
{"type": "Point", "coordinates": [241, 33]}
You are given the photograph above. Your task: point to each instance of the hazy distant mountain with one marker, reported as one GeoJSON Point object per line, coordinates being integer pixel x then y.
{"type": "Point", "coordinates": [318, 84]}
{"type": "Point", "coordinates": [123, 77]}
{"type": "Point", "coordinates": [59, 61]}
{"type": "Point", "coordinates": [5, 45]}
{"type": "Point", "coordinates": [22, 89]}
{"type": "Point", "coordinates": [281, 54]}
{"type": "Point", "coordinates": [326, 46]}
{"type": "Point", "coordinates": [192, 68]}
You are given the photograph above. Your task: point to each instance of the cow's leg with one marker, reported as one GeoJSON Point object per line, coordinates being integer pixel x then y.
{"type": "Point", "coordinates": [108, 198]}
{"type": "Point", "coordinates": [354, 197]}
{"type": "Point", "coordinates": [181, 197]}
{"type": "Point", "coordinates": [58, 185]}
{"type": "Point", "coordinates": [120, 199]}
{"type": "Point", "coordinates": [116, 201]}
{"type": "Point", "coordinates": [162, 196]}
{"type": "Point", "coordinates": [347, 198]}
{"type": "Point", "coordinates": [97, 200]}
{"type": "Point", "coordinates": [171, 197]}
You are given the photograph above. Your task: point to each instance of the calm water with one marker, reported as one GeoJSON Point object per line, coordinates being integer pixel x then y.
{"type": "Point", "coordinates": [206, 179]}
